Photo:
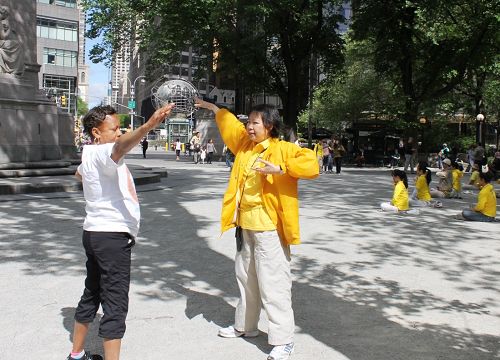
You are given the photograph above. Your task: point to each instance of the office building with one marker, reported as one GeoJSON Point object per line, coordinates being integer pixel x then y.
{"type": "Point", "coordinates": [61, 52]}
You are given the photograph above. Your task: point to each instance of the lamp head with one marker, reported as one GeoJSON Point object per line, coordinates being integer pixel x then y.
{"type": "Point", "coordinates": [480, 117]}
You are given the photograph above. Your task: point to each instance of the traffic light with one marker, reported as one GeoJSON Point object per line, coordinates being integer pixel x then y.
{"type": "Point", "coordinates": [63, 101]}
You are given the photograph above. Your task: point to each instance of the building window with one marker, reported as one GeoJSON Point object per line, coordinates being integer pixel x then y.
{"type": "Point", "coordinates": [65, 3]}
{"type": "Point", "coordinates": [58, 30]}
{"type": "Point", "coordinates": [59, 57]}
{"type": "Point", "coordinates": [61, 86]}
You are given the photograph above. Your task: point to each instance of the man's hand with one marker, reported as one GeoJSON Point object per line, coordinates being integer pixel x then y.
{"type": "Point", "coordinates": [268, 168]}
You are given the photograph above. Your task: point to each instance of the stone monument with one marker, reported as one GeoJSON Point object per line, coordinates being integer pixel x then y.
{"type": "Point", "coordinates": [31, 127]}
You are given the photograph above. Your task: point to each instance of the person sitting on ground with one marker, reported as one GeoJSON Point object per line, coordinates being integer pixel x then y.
{"type": "Point", "coordinates": [400, 200]}
{"type": "Point", "coordinates": [473, 183]}
{"type": "Point", "coordinates": [457, 174]}
{"type": "Point", "coordinates": [421, 195]}
{"type": "Point", "coordinates": [486, 208]}
{"type": "Point", "coordinates": [445, 184]}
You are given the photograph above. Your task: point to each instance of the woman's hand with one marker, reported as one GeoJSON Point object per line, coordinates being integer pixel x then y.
{"type": "Point", "coordinates": [268, 169]}
{"type": "Point", "coordinates": [199, 103]}
{"type": "Point", "coordinates": [160, 115]}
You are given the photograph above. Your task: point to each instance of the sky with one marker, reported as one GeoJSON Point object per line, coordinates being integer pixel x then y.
{"type": "Point", "coordinates": [98, 77]}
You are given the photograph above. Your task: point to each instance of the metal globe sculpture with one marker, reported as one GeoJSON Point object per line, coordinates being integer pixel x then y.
{"type": "Point", "coordinates": [177, 91]}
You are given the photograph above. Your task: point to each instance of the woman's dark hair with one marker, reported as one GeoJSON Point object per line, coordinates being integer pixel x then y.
{"type": "Point", "coordinates": [486, 176]}
{"type": "Point", "coordinates": [422, 165]}
{"type": "Point", "coordinates": [402, 175]}
{"type": "Point", "coordinates": [95, 117]}
{"type": "Point", "coordinates": [270, 118]}
{"type": "Point", "coordinates": [456, 165]}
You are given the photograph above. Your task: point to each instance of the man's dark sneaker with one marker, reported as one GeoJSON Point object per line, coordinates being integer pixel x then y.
{"type": "Point", "coordinates": [86, 356]}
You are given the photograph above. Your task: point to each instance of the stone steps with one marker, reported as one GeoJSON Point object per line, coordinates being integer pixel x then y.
{"type": "Point", "coordinates": [46, 180]}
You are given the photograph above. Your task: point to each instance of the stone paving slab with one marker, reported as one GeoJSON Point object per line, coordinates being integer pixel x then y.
{"type": "Point", "coordinates": [367, 285]}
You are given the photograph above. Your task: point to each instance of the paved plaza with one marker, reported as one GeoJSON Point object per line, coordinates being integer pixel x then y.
{"type": "Point", "coordinates": [367, 285]}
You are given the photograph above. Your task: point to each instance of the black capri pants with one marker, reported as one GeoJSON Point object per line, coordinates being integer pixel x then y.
{"type": "Point", "coordinates": [108, 281]}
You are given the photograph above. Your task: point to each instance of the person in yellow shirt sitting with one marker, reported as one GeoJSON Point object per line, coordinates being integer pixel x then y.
{"type": "Point", "coordinates": [421, 195]}
{"type": "Point", "coordinates": [261, 201]}
{"type": "Point", "coordinates": [400, 199]}
{"type": "Point", "coordinates": [473, 180]}
{"type": "Point", "coordinates": [486, 208]}
{"type": "Point", "coordinates": [457, 174]}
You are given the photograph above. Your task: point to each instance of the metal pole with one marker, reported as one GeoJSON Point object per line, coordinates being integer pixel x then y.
{"type": "Point", "coordinates": [132, 98]}
{"type": "Point", "coordinates": [309, 119]}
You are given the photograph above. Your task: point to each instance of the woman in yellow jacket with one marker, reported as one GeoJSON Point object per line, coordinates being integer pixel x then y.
{"type": "Point", "coordinates": [261, 202]}
{"type": "Point", "coordinates": [486, 208]}
{"type": "Point", "coordinates": [400, 199]}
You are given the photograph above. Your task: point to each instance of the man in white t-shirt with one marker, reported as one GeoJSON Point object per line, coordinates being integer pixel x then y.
{"type": "Point", "coordinates": [110, 227]}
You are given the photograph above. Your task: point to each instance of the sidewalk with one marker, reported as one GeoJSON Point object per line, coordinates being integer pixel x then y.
{"type": "Point", "coordinates": [367, 285]}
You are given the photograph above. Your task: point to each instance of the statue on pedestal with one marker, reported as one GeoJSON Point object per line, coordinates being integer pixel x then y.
{"type": "Point", "coordinates": [11, 51]}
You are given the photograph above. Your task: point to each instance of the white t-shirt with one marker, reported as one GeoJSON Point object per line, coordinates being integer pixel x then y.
{"type": "Point", "coordinates": [178, 145]}
{"type": "Point", "coordinates": [109, 190]}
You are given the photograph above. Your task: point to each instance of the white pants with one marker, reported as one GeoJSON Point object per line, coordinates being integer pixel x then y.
{"type": "Point", "coordinates": [387, 206]}
{"type": "Point", "coordinates": [264, 278]}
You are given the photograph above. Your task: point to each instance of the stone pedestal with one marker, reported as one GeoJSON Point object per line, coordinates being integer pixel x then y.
{"type": "Point", "coordinates": [31, 127]}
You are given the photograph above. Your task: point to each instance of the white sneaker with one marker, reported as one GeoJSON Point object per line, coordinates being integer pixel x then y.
{"type": "Point", "coordinates": [231, 332]}
{"type": "Point", "coordinates": [281, 352]}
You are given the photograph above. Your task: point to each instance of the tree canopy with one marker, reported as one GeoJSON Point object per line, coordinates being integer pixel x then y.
{"type": "Point", "coordinates": [428, 46]}
{"type": "Point", "coordinates": [260, 45]}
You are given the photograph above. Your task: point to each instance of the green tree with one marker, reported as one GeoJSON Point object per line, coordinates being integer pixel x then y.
{"type": "Point", "coordinates": [259, 45]}
{"type": "Point", "coordinates": [428, 46]}
{"type": "Point", "coordinates": [354, 92]}
{"type": "Point", "coordinates": [82, 106]}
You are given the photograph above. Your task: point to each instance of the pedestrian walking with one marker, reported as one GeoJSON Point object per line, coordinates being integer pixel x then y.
{"type": "Point", "coordinates": [195, 146]}
{"type": "Point", "coordinates": [409, 155]}
{"type": "Point", "coordinates": [210, 150]}
{"type": "Point", "coordinates": [144, 145]}
{"type": "Point", "coordinates": [327, 157]}
{"type": "Point", "coordinates": [261, 201]}
{"type": "Point", "coordinates": [318, 149]}
{"type": "Point", "coordinates": [110, 227]}
{"type": "Point", "coordinates": [442, 155]}
{"type": "Point", "coordinates": [178, 148]}
{"type": "Point", "coordinates": [338, 152]}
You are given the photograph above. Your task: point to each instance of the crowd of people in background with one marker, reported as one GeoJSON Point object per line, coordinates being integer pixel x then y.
{"type": "Point", "coordinates": [403, 159]}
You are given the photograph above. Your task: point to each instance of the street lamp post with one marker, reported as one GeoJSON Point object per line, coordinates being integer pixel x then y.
{"type": "Point", "coordinates": [480, 120]}
{"type": "Point", "coordinates": [132, 99]}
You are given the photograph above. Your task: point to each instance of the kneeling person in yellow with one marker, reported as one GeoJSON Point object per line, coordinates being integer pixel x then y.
{"type": "Point", "coordinates": [400, 199]}
{"type": "Point", "coordinates": [261, 202]}
{"type": "Point", "coordinates": [486, 207]}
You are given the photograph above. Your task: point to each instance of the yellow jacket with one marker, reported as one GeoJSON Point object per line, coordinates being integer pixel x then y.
{"type": "Point", "coordinates": [422, 187]}
{"type": "Point", "coordinates": [318, 149]}
{"type": "Point", "coordinates": [279, 192]}
{"type": "Point", "coordinates": [400, 197]}
{"type": "Point", "coordinates": [487, 201]}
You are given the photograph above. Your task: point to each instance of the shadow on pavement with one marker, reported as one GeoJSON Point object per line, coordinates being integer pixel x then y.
{"type": "Point", "coordinates": [344, 311]}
